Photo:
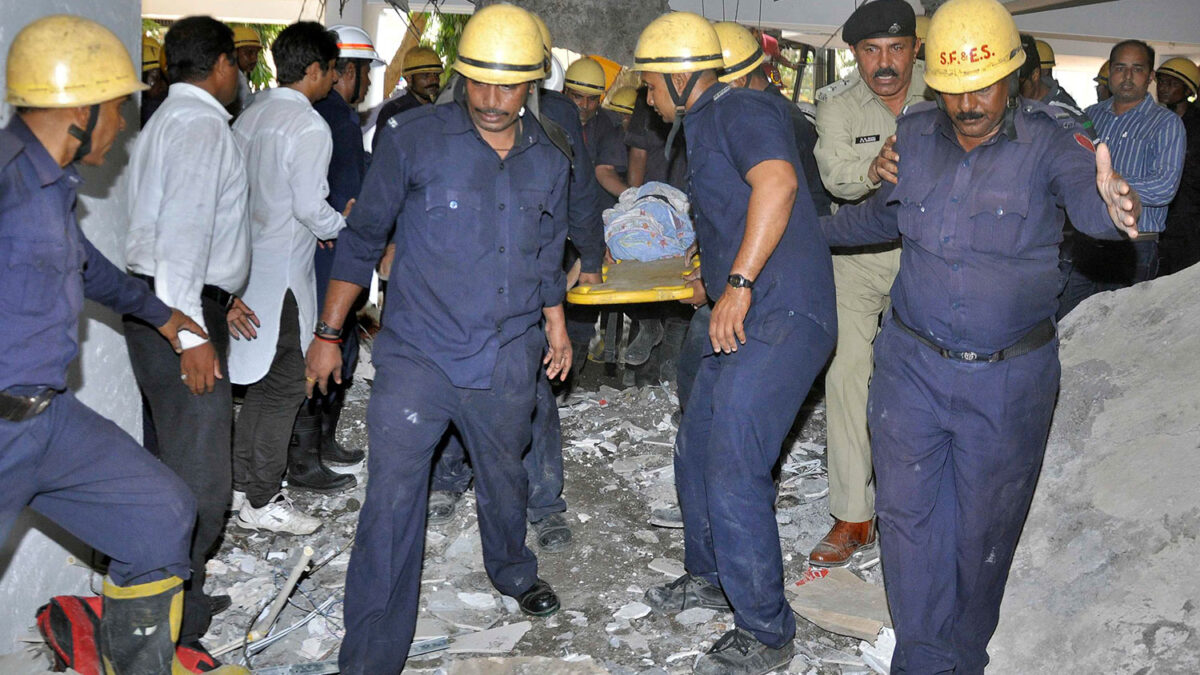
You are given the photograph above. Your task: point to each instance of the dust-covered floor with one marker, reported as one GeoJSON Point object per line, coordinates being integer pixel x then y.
{"type": "Point", "coordinates": [617, 447]}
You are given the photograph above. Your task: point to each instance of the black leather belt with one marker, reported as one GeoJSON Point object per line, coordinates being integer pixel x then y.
{"type": "Point", "coordinates": [1039, 336]}
{"type": "Point", "coordinates": [18, 408]}
{"type": "Point", "coordinates": [215, 293]}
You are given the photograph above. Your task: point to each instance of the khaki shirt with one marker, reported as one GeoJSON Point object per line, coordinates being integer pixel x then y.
{"type": "Point", "coordinates": [852, 125]}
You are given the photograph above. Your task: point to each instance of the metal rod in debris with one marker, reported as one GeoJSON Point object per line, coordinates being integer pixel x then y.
{"type": "Point", "coordinates": [260, 630]}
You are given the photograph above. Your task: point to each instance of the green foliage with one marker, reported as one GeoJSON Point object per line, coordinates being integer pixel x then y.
{"type": "Point", "coordinates": [154, 29]}
{"type": "Point", "coordinates": [442, 33]}
{"type": "Point", "coordinates": [262, 77]}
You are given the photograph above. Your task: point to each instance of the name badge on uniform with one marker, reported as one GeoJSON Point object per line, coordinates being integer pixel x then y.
{"type": "Point", "coordinates": [866, 139]}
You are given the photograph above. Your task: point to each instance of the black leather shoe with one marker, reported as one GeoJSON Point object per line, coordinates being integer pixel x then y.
{"type": "Point", "coordinates": [219, 603]}
{"type": "Point", "coordinates": [539, 600]}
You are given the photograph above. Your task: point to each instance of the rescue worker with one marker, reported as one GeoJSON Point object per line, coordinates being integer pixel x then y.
{"type": "Point", "coordinates": [742, 58]}
{"type": "Point", "coordinates": [1046, 60]}
{"type": "Point", "coordinates": [1177, 79]}
{"type": "Point", "coordinates": [314, 436]}
{"type": "Point", "coordinates": [543, 462]}
{"type": "Point", "coordinates": [249, 46]}
{"type": "Point", "coordinates": [154, 75]}
{"type": "Point", "coordinates": [1039, 87]}
{"type": "Point", "coordinates": [422, 70]}
{"type": "Point", "coordinates": [1103, 93]}
{"type": "Point", "coordinates": [856, 118]}
{"type": "Point", "coordinates": [287, 147]}
{"type": "Point", "coordinates": [189, 239]}
{"type": "Point", "coordinates": [461, 341]}
{"type": "Point", "coordinates": [583, 84]}
{"type": "Point", "coordinates": [612, 155]}
{"type": "Point", "coordinates": [967, 367]}
{"type": "Point", "coordinates": [767, 269]}
{"type": "Point", "coordinates": [1147, 143]}
{"type": "Point", "coordinates": [68, 77]}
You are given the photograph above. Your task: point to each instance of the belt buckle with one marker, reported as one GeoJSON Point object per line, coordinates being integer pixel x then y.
{"type": "Point", "coordinates": [968, 356]}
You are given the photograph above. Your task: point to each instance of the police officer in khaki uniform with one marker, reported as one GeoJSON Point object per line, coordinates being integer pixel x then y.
{"type": "Point", "coordinates": [855, 118]}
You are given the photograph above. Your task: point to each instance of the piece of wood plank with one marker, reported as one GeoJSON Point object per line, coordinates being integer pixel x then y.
{"type": "Point", "coordinates": [840, 602]}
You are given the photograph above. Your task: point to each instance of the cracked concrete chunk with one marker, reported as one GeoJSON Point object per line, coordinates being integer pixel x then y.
{"type": "Point", "coordinates": [494, 641]}
{"type": "Point", "coordinates": [1104, 577]}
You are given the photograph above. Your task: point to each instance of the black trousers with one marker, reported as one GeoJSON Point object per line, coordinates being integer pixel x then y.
{"type": "Point", "coordinates": [264, 426]}
{"type": "Point", "coordinates": [193, 435]}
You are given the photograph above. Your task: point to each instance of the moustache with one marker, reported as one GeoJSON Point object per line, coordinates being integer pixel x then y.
{"type": "Point", "coordinates": [886, 72]}
{"type": "Point", "coordinates": [491, 111]}
{"type": "Point", "coordinates": [969, 116]}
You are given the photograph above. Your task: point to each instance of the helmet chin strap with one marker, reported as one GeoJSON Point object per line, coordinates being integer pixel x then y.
{"type": "Point", "coordinates": [84, 136]}
{"type": "Point", "coordinates": [680, 100]}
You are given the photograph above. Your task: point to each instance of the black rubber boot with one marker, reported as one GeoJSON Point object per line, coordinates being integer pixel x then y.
{"type": "Point", "coordinates": [305, 470]}
{"type": "Point", "coordinates": [332, 452]}
{"type": "Point", "coordinates": [139, 626]}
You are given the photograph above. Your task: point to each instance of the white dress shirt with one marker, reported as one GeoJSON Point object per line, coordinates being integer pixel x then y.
{"type": "Point", "coordinates": [187, 193]}
{"type": "Point", "coordinates": [287, 146]}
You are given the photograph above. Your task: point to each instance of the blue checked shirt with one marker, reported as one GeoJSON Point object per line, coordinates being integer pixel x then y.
{"type": "Point", "coordinates": [1147, 145]}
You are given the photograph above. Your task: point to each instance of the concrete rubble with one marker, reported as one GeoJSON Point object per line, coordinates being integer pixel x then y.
{"type": "Point", "coordinates": [617, 446]}
{"type": "Point", "coordinates": [1104, 579]}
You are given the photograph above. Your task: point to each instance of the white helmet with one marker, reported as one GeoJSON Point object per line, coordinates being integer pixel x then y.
{"type": "Point", "coordinates": [354, 43]}
{"type": "Point", "coordinates": [557, 77]}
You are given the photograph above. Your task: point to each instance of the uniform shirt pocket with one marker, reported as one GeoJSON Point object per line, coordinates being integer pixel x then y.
{"type": "Point", "coordinates": [998, 224]}
{"type": "Point", "coordinates": [34, 274]}
{"type": "Point", "coordinates": [914, 218]}
{"type": "Point", "coordinates": [536, 222]}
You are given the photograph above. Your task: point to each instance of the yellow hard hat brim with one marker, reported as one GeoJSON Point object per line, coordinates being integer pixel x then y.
{"type": "Point", "coordinates": [498, 73]}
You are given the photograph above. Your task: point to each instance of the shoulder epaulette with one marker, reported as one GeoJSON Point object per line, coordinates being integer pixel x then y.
{"type": "Point", "coordinates": [830, 90]}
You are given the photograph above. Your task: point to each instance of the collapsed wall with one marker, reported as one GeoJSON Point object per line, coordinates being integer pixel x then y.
{"type": "Point", "coordinates": [1105, 577]}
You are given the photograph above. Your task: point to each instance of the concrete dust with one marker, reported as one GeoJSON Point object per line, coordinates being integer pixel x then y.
{"type": "Point", "coordinates": [617, 446]}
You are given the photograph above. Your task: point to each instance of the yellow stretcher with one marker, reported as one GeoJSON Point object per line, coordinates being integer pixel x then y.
{"type": "Point", "coordinates": [630, 281]}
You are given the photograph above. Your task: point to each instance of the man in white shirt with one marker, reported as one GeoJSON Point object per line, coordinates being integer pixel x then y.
{"type": "Point", "coordinates": [287, 146]}
{"type": "Point", "coordinates": [188, 239]}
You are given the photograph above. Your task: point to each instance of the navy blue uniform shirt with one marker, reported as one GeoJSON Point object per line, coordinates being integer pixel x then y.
{"type": "Point", "coordinates": [49, 267]}
{"type": "Point", "coordinates": [806, 142]}
{"type": "Point", "coordinates": [348, 163]}
{"type": "Point", "coordinates": [729, 132]}
{"type": "Point", "coordinates": [603, 134]}
{"type": "Point", "coordinates": [981, 229]}
{"type": "Point", "coordinates": [390, 109]}
{"type": "Point", "coordinates": [479, 240]}
{"type": "Point", "coordinates": [585, 202]}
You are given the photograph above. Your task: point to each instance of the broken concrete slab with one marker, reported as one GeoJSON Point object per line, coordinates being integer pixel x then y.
{"type": "Point", "coordinates": [1104, 577]}
{"type": "Point", "coordinates": [525, 665]}
{"type": "Point", "coordinates": [500, 640]}
{"type": "Point", "coordinates": [695, 616]}
{"type": "Point", "coordinates": [668, 566]}
{"type": "Point", "coordinates": [840, 602]}
{"type": "Point", "coordinates": [633, 610]}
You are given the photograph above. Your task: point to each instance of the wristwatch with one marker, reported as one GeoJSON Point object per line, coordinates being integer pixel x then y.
{"type": "Point", "coordinates": [739, 281]}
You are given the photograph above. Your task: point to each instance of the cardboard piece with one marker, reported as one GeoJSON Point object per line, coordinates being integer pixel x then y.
{"type": "Point", "coordinates": [840, 602]}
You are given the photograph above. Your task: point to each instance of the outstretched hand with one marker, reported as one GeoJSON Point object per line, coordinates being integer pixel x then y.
{"type": "Point", "coordinates": [1124, 205]}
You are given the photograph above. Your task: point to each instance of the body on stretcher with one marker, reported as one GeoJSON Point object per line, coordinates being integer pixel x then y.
{"type": "Point", "coordinates": [631, 281]}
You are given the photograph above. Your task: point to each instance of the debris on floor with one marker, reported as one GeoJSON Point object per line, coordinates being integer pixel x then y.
{"type": "Point", "coordinates": [618, 451]}
{"type": "Point", "coordinates": [840, 602]}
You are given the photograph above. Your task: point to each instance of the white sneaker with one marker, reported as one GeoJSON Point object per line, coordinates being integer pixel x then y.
{"type": "Point", "coordinates": [239, 501]}
{"type": "Point", "coordinates": [278, 515]}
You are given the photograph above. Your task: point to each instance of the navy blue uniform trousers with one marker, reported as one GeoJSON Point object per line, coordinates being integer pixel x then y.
{"type": "Point", "coordinates": [412, 404]}
{"type": "Point", "coordinates": [543, 461]}
{"type": "Point", "coordinates": [740, 409]}
{"type": "Point", "coordinates": [87, 475]}
{"type": "Point", "coordinates": [957, 448]}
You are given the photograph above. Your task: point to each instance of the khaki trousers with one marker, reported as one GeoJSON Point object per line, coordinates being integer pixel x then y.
{"type": "Point", "coordinates": [863, 282]}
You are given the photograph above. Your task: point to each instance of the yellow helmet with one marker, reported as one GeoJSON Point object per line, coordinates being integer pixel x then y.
{"type": "Point", "coordinates": [922, 27]}
{"type": "Point", "coordinates": [545, 31]}
{"type": "Point", "coordinates": [63, 61]}
{"type": "Point", "coordinates": [678, 42]}
{"type": "Point", "coordinates": [740, 52]}
{"type": "Point", "coordinates": [585, 76]}
{"type": "Point", "coordinates": [245, 36]}
{"type": "Point", "coordinates": [1045, 54]}
{"type": "Point", "coordinates": [151, 54]}
{"type": "Point", "coordinates": [420, 60]}
{"type": "Point", "coordinates": [972, 44]}
{"type": "Point", "coordinates": [1102, 76]}
{"type": "Point", "coordinates": [622, 100]}
{"type": "Point", "coordinates": [1184, 70]}
{"type": "Point", "coordinates": [501, 44]}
